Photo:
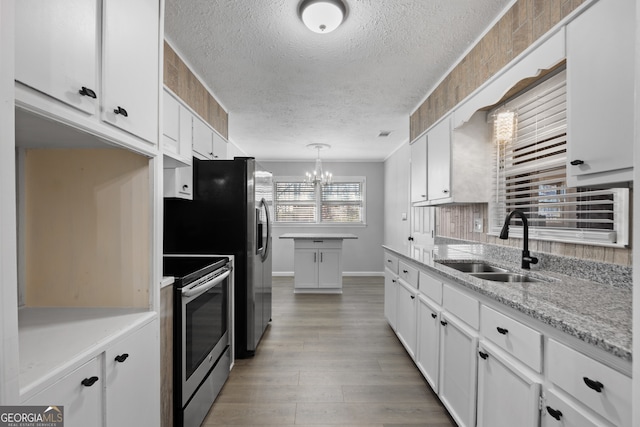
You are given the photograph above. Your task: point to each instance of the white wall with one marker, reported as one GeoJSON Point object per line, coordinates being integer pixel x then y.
{"type": "Point", "coordinates": [397, 172]}
{"type": "Point", "coordinates": [360, 257]}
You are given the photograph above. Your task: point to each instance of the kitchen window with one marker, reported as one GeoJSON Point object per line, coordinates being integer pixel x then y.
{"type": "Point", "coordinates": [530, 175]}
{"type": "Point", "coordinates": [300, 202]}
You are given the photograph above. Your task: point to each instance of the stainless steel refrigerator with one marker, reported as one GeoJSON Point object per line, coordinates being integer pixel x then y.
{"type": "Point", "coordinates": [230, 214]}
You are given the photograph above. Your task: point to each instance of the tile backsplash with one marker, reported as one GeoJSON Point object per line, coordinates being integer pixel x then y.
{"type": "Point", "coordinates": [456, 221]}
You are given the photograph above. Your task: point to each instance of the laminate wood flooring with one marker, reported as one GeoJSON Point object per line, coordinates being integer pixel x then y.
{"type": "Point", "coordinates": [328, 360]}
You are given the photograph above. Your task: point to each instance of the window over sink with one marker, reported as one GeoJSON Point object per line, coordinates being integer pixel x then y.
{"type": "Point", "coordinates": [529, 174]}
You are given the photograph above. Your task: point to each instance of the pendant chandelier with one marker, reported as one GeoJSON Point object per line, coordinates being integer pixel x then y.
{"type": "Point", "coordinates": [318, 176]}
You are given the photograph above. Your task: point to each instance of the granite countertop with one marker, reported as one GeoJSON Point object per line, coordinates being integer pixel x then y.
{"type": "Point", "coordinates": [597, 313]}
{"type": "Point", "coordinates": [325, 236]}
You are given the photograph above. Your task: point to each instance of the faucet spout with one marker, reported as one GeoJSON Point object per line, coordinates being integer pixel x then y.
{"type": "Point", "coordinates": [527, 259]}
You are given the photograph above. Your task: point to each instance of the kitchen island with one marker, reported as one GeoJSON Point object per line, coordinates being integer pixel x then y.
{"type": "Point", "coordinates": [318, 261]}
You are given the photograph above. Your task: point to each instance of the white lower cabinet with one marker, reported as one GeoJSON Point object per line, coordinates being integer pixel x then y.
{"type": "Point", "coordinates": [596, 386]}
{"type": "Point", "coordinates": [79, 393]}
{"type": "Point", "coordinates": [390, 285]}
{"type": "Point", "coordinates": [132, 376]}
{"type": "Point", "coordinates": [508, 394]}
{"type": "Point", "coordinates": [428, 351]}
{"type": "Point", "coordinates": [406, 316]}
{"type": "Point", "coordinates": [317, 265]}
{"type": "Point", "coordinates": [458, 369]}
{"type": "Point", "coordinates": [118, 387]}
{"type": "Point", "coordinates": [559, 411]}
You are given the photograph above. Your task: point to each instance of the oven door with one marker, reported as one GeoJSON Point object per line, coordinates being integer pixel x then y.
{"type": "Point", "coordinates": [205, 317]}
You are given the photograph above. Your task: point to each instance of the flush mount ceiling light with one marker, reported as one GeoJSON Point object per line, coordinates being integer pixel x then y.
{"type": "Point", "coordinates": [322, 16]}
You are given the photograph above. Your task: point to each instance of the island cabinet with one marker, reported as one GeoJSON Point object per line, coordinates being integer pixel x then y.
{"type": "Point", "coordinates": [492, 366]}
{"type": "Point", "coordinates": [318, 265]}
{"type": "Point", "coordinates": [600, 106]}
{"type": "Point", "coordinates": [317, 261]}
{"type": "Point", "coordinates": [97, 63]}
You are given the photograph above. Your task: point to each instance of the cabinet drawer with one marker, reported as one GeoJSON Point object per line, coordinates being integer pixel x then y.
{"type": "Point", "coordinates": [431, 287]}
{"type": "Point", "coordinates": [318, 244]}
{"type": "Point", "coordinates": [408, 273]}
{"type": "Point", "coordinates": [558, 412]}
{"type": "Point", "coordinates": [391, 262]}
{"type": "Point", "coordinates": [582, 377]}
{"type": "Point", "coordinates": [512, 336]}
{"type": "Point", "coordinates": [461, 305]}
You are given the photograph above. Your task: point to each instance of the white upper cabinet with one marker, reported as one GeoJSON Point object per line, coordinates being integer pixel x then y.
{"type": "Point", "coordinates": [94, 56]}
{"type": "Point", "coordinates": [202, 139]}
{"type": "Point", "coordinates": [419, 170]}
{"type": "Point", "coordinates": [600, 104]}
{"type": "Point", "coordinates": [439, 161]}
{"type": "Point", "coordinates": [131, 65]}
{"type": "Point", "coordinates": [57, 50]}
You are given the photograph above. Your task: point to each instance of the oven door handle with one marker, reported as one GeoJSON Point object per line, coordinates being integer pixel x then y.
{"type": "Point", "coordinates": [188, 292]}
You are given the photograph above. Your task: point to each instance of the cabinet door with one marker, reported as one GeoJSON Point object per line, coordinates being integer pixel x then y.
{"type": "Point", "coordinates": [419, 170]}
{"type": "Point", "coordinates": [507, 395]}
{"type": "Point", "coordinates": [306, 268]}
{"type": "Point", "coordinates": [219, 147]}
{"type": "Point", "coordinates": [202, 139]}
{"type": "Point", "coordinates": [406, 316]}
{"type": "Point", "coordinates": [171, 124]}
{"type": "Point", "coordinates": [82, 402]}
{"type": "Point", "coordinates": [132, 379]}
{"type": "Point", "coordinates": [458, 370]}
{"type": "Point", "coordinates": [439, 161]}
{"type": "Point", "coordinates": [560, 412]}
{"type": "Point", "coordinates": [131, 66]}
{"type": "Point", "coordinates": [56, 49]}
{"type": "Point", "coordinates": [329, 271]}
{"type": "Point", "coordinates": [186, 134]}
{"type": "Point", "coordinates": [390, 285]}
{"type": "Point", "coordinates": [428, 354]}
{"type": "Point", "coordinates": [422, 225]}
{"type": "Point", "coordinates": [600, 104]}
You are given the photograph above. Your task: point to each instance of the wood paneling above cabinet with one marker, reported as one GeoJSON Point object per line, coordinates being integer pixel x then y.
{"type": "Point", "coordinates": [523, 24]}
{"type": "Point", "coordinates": [181, 80]}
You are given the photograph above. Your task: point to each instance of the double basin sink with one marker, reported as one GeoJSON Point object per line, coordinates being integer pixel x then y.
{"type": "Point", "coordinates": [483, 270]}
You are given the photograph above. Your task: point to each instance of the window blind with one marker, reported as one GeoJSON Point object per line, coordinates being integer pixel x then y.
{"type": "Point", "coordinates": [530, 174]}
{"type": "Point", "coordinates": [340, 202]}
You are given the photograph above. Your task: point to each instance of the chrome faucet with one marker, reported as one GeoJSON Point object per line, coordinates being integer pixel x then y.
{"type": "Point", "coordinates": [527, 259]}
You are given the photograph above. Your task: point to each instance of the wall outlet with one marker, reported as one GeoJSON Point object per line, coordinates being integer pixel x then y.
{"type": "Point", "coordinates": [404, 216]}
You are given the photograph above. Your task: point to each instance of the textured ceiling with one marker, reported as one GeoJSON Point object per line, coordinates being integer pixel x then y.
{"type": "Point", "coordinates": [285, 86]}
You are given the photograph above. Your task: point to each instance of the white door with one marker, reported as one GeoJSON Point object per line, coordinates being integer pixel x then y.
{"type": "Point", "coordinates": [406, 316]}
{"type": "Point", "coordinates": [329, 271]}
{"type": "Point", "coordinates": [306, 268]}
{"type": "Point", "coordinates": [419, 170]}
{"type": "Point", "coordinates": [131, 66]}
{"type": "Point", "coordinates": [458, 370]}
{"type": "Point", "coordinates": [390, 285]}
{"type": "Point", "coordinates": [80, 393]}
{"type": "Point", "coordinates": [428, 353]}
{"type": "Point", "coordinates": [507, 394]}
{"type": "Point", "coordinates": [132, 379]}
{"type": "Point", "coordinates": [56, 50]}
{"type": "Point", "coordinates": [439, 161]}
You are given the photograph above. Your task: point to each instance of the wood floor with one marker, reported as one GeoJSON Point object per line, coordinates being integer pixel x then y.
{"type": "Point", "coordinates": [328, 360]}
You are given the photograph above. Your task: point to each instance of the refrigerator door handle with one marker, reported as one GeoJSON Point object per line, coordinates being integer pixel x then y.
{"type": "Point", "coordinates": [265, 252]}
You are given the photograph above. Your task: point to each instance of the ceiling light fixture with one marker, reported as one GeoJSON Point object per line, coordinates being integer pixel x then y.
{"type": "Point", "coordinates": [322, 16]}
{"type": "Point", "coordinates": [318, 176]}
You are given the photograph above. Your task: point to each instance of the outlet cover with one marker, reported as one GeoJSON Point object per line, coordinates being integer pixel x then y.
{"type": "Point", "coordinates": [477, 223]}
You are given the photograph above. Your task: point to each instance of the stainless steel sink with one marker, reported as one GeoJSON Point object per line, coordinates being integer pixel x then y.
{"type": "Point", "coordinates": [473, 267]}
{"type": "Point", "coordinates": [505, 277]}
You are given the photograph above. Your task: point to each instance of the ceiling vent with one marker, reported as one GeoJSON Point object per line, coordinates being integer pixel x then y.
{"type": "Point", "coordinates": [384, 133]}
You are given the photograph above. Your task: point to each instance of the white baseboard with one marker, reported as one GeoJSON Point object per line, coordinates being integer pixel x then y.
{"type": "Point", "coordinates": [344, 273]}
